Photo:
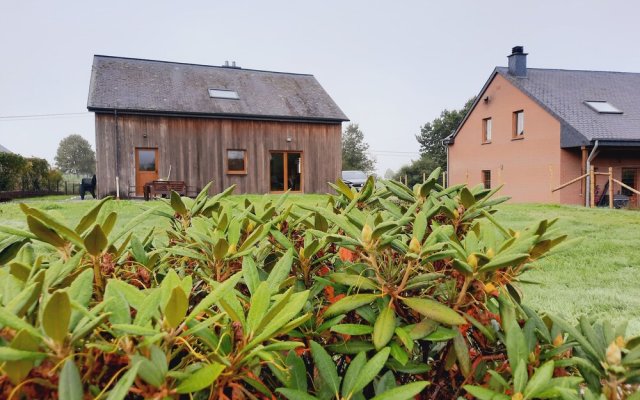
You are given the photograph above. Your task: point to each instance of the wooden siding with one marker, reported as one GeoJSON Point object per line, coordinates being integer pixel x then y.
{"type": "Point", "coordinates": [195, 148]}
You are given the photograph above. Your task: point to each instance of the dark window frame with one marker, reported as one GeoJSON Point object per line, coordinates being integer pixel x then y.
{"type": "Point", "coordinates": [487, 134]}
{"type": "Point", "coordinates": [486, 178]}
{"type": "Point", "coordinates": [244, 163]}
{"type": "Point", "coordinates": [514, 132]}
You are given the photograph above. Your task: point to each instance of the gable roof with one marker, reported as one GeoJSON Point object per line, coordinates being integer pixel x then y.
{"type": "Point", "coordinates": [148, 86]}
{"type": "Point", "coordinates": [563, 94]}
{"type": "Point", "coordinates": [4, 149]}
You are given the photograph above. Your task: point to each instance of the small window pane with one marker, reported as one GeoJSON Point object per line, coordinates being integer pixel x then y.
{"type": "Point", "coordinates": [486, 179]}
{"type": "Point", "coordinates": [146, 160]}
{"type": "Point", "coordinates": [487, 130]}
{"type": "Point", "coordinates": [519, 123]}
{"type": "Point", "coordinates": [603, 107]}
{"type": "Point", "coordinates": [236, 160]}
{"type": "Point", "coordinates": [223, 94]}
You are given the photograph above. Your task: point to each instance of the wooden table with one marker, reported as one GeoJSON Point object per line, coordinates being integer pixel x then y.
{"type": "Point", "coordinates": [164, 188]}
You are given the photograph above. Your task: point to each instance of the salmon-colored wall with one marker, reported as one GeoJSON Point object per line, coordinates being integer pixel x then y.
{"type": "Point", "coordinates": [529, 167]}
{"type": "Point", "coordinates": [571, 160]}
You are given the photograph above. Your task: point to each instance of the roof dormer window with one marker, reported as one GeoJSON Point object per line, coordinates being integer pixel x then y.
{"type": "Point", "coordinates": [602, 107]}
{"type": "Point", "coordinates": [223, 94]}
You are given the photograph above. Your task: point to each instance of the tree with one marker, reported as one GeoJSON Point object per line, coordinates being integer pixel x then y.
{"type": "Point", "coordinates": [432, 133]}
{"type": "Point", "coordinates": [75, 156]}
{"type": "Point", "coordinates": [354, 150]}
{"type": "Point", "coordinates": [389, 174]}
{"type": "Point", "coordinates": [414, 171]}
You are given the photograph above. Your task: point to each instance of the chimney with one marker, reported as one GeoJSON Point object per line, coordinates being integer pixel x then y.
{"type": "Point", "coordinates": [518, 62]}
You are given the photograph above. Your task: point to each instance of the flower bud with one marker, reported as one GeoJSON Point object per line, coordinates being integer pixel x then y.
{"type": "Point", "coordinates": [614, 354]}
{"type": "Point", "coordinates": [232, 250]}
{"type": "Point", "coordinates": [415, 246]}
{"type": "Point", "coordinates": [558, 341]}
{"type": "Point", "coordinates": [473, 261]}
{"type": "Point", "coordinates": [517, 396]}
{"type": "Point", "coordinates": [490, 288]}
{"type": "Point", "coordinates": [490, 252]}
{"type": "Point", "coordinates": [367, 233]}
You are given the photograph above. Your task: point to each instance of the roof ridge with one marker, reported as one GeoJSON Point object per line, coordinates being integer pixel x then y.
{"type": "Point", "coordinates": [576, 70]}
{"type": "Point", "coordinates": [201, 65]}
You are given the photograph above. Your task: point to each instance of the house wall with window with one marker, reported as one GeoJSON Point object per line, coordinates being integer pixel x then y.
{"type": "Point", "coordinates": [523, 152]}
{"type": "Point", "coordinates": [225, 151]}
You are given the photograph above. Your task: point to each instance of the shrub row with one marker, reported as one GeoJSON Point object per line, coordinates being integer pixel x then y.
{"type": "Point", "coordinates": [386, 293]}
{"type": "Point", "coordinates": [20, 173]}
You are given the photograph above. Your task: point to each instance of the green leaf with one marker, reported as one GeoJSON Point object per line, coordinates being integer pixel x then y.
{"type": "Point", "coordinates": [404, 392]}
{"type": "Point", "coordinates": [216, 294]}
{"type": "Point", "coordinates": [121, 389]}
{"type": "Point", "coordinates": [176, 307]}
{"type": "Point", "coordinates": [540, 380]}
{"type": "Point", "coordinates": [466, 198]}
{"type": "Point", "coordinates": [70, 384]}
{"type": "Point", "coordinates": [60, 229]}
{"type": "Point", "coordinates": [462, 353]}
{"type": "Point", "coordinates": [520, 377]}
{"type": "Point", "coordinates": [260, 301]}
{"type": "Point", "coordinates": [201, 379]}
{"type": "Point", "coordinates": [90, 216]}
{"type": "Point", "coordinates": [280, 271]}
{"type": "Point", "coordinates": [56, 316]}
{"type": "Point", "coordinates": [504, 260]}
{"type": "Point", "coordinates": [177, 204]}
{"type": "Point", "coordinates": [9, 354]}
{"type": "Point", "coordinates": [45, 233]}
{"type": "Point", "coordinates": [294, 394]}
{"type": "Point", "coordinates": [435, 311]}
{"type": "Point", "coordinates": [349, 303]}
{"type": "Point", "coordinates": [517, 349]}
{"type": "Point", "coordinates": [485, 394]}
{"type": "Point", "coordinates": [351, 376]}
{"type": "Point", "coordinates": [353, 280]}
{"type": "Point", "coordinates": [371, 369]}
{"type": "Point", "coordinates": [250, 273]}
{"type": "Point", "coordinates": [96, 241]}
{"type": "Point", "coordinates": [326, 367]}
{"type": "Point", "coordinates": [352, 329]}
{"type": "Point", "coordinates": [149, 372]}
{"type": "Point", "coordinates": [384, 327]}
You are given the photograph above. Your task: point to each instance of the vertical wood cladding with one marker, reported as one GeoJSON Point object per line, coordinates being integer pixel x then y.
{"type": "Point", "coordinates": [195, 148]}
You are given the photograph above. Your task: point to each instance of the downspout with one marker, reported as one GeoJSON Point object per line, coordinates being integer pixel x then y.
{"type": "Point", "coordinates": [115, 113]}
{"type": "Point", "coordinates": [445, 143]}
{"type": "Point", "coordinates": [587, 189]}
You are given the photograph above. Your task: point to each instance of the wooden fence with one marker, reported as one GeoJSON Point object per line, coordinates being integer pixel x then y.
{"type": "Point", "coordinates": [592, 185]}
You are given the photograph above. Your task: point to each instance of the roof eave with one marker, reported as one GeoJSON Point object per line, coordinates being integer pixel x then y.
{"type": "Point", "coordinates": [253, 117]}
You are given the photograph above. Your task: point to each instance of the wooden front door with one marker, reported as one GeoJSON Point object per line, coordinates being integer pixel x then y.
{"type": "Point", "coordinates": [285, 171]}
{"type": "Point", "coordinates": [630, 178]}
{"type": "Point", "coordinates": [146, 168]}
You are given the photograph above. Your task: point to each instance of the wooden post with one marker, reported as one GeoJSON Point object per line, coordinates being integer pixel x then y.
{"type": "Point", "coordinates": [583, 168]}
{"type": "Point", "coordinates": [424, 177]}
{"type": "Point", "coordinates": [592, 193]}
{"type": "Point", "coordinates": [610, 187]}
{"type": "Point", "coordinates": [406, 181]}
{"type": "Point", "coordinates": [444, 179]}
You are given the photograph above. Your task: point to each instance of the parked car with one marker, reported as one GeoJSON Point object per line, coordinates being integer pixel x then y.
{"type": "Point", "coordinates": [355, 179]}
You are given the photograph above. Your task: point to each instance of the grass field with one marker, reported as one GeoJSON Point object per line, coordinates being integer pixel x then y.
{"type": "Point", "coordinates": [599, 276]}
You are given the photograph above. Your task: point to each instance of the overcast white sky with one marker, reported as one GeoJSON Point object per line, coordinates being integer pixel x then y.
{"type": "Point", "coordinates": [391, 66]}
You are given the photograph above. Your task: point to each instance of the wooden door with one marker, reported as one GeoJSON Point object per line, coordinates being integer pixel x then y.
{"type": "Point", "coordinates": [146, 168]}
{"type": "Point", "coordinates": [285, 171]}
{"type": "Point", "coordinates": [630, 177]}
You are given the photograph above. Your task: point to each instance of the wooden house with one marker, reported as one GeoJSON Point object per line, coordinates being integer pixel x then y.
{"type": "Point", "coordinates": [266, 132]}
{"type": "Point", "coordinates": [533, 129]}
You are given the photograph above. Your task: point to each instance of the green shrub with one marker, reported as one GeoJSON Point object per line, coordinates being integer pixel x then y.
{"type": "Point", "coordinates": [386, 293]}
{"type": "Point", "coordinates": [11, 169]}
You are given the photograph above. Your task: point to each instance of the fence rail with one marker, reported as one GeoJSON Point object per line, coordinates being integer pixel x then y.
{"type": "Point", "coordinates": [61, 188]}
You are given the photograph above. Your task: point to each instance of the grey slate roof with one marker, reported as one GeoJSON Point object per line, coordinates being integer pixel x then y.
{"type": "Point", "coordinates": [564, 92]}
{"type": "Point", "coordinates": [4, 149]}
{"type": "Point", "coordinates": [149, 86]}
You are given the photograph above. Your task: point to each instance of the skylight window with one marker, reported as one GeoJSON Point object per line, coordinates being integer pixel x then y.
{"type": "Point", "coordinates": [603, 107]}
{"type": "Point", "coordinates": [223, 94]}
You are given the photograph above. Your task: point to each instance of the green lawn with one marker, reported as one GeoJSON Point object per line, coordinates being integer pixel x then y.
{"type": "Point", "coordinates": [599, 276]}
